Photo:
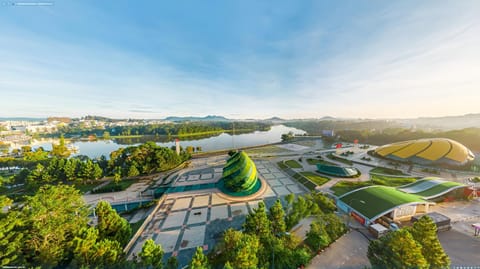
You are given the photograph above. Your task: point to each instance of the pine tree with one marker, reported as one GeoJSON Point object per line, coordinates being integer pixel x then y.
{"type": "Point", "coordinates": [90, 251]}
{"type": "Point", "coordinates": [317, 236]}
{"type": "Point", "coordinates": [227, 266]}
{"type": "Point", "coordinates": [334, 226]}
{"type": "Point", "coordinates": [11, 240]}
{"type": "Point", "coordinates": [111, 225]}
{"type": "Point", "coordinates": [70, 169]}
{"type": "Point", "coordinates": [151, 254]}
{"type": "Point", "coordinates": [133, 171]}
{"type": "Point", "coordinates": [35, 177]}
{"type": "Point", "coordinates": [53, 216]}
{"type": "Point", "coordinates": [199, 260]}
{"type": "Point", "coordinates": [277, 218]}
{"type": "Point", "coordinates": [396, 250]}
{"type": "Point", "coordinates": [240, 249]}
{"type": "Point", "coordinates": [257, 222]}
{"type": "Point", "coordinates": [172, 263]}
{"type": "Point", "coordinates": [424, 231]}
{"type": "Point", "coordinates": [97, 171]}
{"type": "Point", "coordinates": [87, 170]}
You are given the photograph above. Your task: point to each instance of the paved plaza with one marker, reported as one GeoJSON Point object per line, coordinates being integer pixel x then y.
{"type": "Point", "coordinates": [187, 220]}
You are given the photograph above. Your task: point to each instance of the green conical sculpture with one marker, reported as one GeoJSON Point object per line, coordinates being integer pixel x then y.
{"type": "Point", "coordinates": [240, 174]}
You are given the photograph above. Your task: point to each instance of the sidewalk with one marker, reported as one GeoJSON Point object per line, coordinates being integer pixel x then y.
{"type": "Point", "coordinates": [348, 252]}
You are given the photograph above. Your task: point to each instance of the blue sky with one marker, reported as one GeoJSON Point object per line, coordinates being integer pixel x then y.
{"type": "Point", "coordinates": [240, 59]}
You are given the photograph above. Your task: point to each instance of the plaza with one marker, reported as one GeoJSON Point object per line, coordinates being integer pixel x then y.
{"type": "Point", "coordinates": [187, 220]}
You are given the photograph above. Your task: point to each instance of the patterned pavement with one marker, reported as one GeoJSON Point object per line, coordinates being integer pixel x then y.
{"type": "Point", "coordinates": [185, 221]}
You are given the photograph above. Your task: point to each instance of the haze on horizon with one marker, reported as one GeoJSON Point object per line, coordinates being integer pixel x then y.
{"type": "Point", "coordinates": [240, 59]}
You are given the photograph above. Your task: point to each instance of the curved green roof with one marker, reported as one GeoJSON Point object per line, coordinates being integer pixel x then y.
{"type": "Point", "coordinates": [240, 173]}
{"type": "Point", "coordinates": [430, 188]}
{"type": "Point", "coordinates": [376, 200]}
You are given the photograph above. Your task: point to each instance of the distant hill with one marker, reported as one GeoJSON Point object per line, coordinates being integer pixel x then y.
{"type": "Point", "coordinates": [444, 123]}
{"type": "Point", "coordinates": [327, 118]}
{"type": "Point", "coordinates": [207, 118]}
{"type": "Point", "coordinates": [275, 119]}
{"type": "Point", "coordinates": [21, 119]}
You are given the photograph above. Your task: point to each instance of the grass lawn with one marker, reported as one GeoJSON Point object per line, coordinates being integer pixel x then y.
{"type": "Point", "coordinates": [266, 150]}
{"type": "Point", "coordinates": [343, 187]}
{"type": "Point", "coordinates": [83, 188]}
{"type": "Point", "coordinates": [378, 199]}
{"type": "Point", "coordinates": [338, 159]}
{"type": "Point", "coordinates": [317, 179]}
{"type": "Point", "coordinates": [302, 180]}
{"type": "Point", "coordinates": [136, 225]}
{"type": "Point", "coordinates": [112, 186]}
{"type": "Point", "coordinates": [293, 164]}
{"type": "Point", "coordinates": [282, 165]}
{"type": "Point", "coordinates": [318, 161]}
{"type": "Point", "coordinates": [306, 143]}
{"type": "Point", "coordinates": [438, 189]}
{"type": "Point", "coordinates": [392, 181]}
{"type": "Point", "coordinates": [387, 171]}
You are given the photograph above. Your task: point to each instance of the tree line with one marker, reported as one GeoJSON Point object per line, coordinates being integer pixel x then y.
{"type": "Point", "coordinates": [167, 129]}
{"type": "Point", "coordinates": [43, 168]}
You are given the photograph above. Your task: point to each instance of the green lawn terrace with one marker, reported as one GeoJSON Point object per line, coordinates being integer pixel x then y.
{"type": "Point", "coordinates": [337, 171]}
{"type": "Point", "coordinates": [239, 176]}
{"type": "Point", "coordinates": [431, 187]}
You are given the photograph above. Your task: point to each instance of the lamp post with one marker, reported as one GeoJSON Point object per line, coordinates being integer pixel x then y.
{"type": "Point", "coordinates": [273, 249]}
{"type": "Point", "coordinates": [350, 210]}
{"type": "Point", "coordinates": [233, 134]}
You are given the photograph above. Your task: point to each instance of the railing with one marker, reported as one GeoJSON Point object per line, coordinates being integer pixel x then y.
{"type": "Point", "coordinates": [144, 225]}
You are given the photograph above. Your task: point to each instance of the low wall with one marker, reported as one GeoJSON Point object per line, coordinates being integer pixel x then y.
{"type": "Point", "coordinates": [144, 225]}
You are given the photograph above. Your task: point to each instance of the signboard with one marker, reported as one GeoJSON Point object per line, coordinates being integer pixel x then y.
{"type": "Point", "coordinates": [357, 217]}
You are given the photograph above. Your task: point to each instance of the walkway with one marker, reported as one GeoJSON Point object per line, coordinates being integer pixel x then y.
{"type": "Point", "coordinates": [348, 252]}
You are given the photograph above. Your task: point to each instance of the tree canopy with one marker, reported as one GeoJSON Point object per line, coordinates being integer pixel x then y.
{"type": "Point", "coordinates": [424, 231]}
{"type": "Point", "coordinates": [151, 254]}
{"type": "Point", "coordinates": [111, 225]}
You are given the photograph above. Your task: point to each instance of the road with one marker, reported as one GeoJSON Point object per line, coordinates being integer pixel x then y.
{"type": "Point", "coordinates": [462, 249]}
{"type": "Point", "coordinates": [350, 251]}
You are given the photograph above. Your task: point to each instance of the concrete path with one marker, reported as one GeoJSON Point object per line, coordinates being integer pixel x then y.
{"type": "Point", "coordinates": [302, 228]}
{"type": "Point", "coordinates": [348, 252]}
{"type": "Point", "coordinates": [462, 249]}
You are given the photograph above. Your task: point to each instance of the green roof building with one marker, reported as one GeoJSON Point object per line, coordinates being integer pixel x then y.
{"type": "Point", "coordinates": [240, 175]}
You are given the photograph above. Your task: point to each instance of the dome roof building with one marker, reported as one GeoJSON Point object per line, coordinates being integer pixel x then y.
{"type": "Point", "coordinates": [427, 151]}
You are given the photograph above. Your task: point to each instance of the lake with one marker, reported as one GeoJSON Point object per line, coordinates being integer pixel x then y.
{"type": "Point", "coordinates": [94, 149]}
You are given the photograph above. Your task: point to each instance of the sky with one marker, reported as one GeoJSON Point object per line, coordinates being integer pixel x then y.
{"type": "Point", "coordinates": [240, 59]}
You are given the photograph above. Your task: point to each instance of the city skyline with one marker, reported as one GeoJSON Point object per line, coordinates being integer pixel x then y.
{"type": "Point", "coordinates": [240, 59]}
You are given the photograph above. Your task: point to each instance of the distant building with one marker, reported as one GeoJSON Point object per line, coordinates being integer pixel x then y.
{"type": "Point", "coordinates": [47, 128]}
{"type": "Point", "coordinates": [328, 133]}
{"type": "Point", "coordinates": [177, 146]}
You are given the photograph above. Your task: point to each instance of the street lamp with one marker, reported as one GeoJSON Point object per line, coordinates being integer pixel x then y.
{"type": "Point", "coordinates": [350, 210]}
{"type": "Point", "coordinates": [273, 249]}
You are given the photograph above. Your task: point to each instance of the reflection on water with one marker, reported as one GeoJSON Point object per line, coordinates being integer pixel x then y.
{"type": "Point", "coordinates": [95, 149]}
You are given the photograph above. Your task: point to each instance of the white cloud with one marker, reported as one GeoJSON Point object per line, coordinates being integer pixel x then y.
{"type": "Point", "coordinates": [408, 62]}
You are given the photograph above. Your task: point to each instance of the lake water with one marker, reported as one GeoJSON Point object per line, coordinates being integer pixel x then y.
{"type": "Point", "coordinates": [94, 149]}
